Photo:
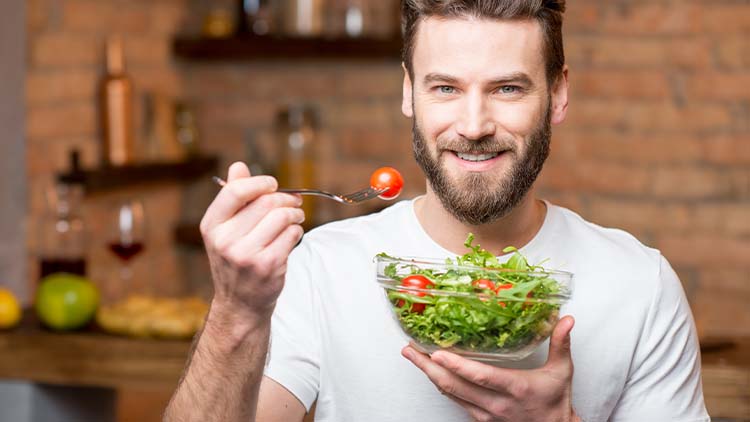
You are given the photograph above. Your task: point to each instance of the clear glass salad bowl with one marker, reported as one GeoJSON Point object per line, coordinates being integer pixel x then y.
{"type": "Point", "coordinates": [491, 314]}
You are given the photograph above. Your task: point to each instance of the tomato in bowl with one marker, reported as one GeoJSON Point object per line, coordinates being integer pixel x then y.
{"type": "Point", "coordinates": [485, 312]}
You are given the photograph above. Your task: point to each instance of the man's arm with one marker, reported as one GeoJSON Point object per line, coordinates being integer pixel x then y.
{"type": "Point", "coordinates": [249, 231]}
{"type": "Point", "coordinates": [664, 382]}
{"type": "Point", "coordinates": [226, 375]}
{"type": "Point", "coordinates": [286, 406]}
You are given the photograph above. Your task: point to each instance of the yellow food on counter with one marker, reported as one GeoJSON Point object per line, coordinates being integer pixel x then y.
{"type": "Point", "coordinates": [144, 316]}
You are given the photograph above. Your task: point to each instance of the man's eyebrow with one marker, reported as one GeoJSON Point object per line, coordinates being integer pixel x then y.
{"type": "Point", "coordinates": [439, 77]}
{"type": "Point", "coordinates": [520, 78]}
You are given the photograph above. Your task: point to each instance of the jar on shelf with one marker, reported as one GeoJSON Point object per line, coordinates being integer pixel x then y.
{"type": "Point", "coordinates": [296, 130]}
{"type": "Point", "coordinates": [304, 18]}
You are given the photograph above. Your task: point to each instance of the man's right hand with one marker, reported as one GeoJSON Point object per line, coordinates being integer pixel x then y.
{"type": "Point", "coordinates": [249, 230]}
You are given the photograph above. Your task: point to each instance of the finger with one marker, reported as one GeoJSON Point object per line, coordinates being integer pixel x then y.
{"type": "Point", "coordinates": [237, 170]}
{"type": "Point", "coordinates": [234, 196]}
{"type": "Point", "coordinates": [500, 380]}
{"type": "Point", "coordinates": [476, 412]}
{"type": "Point", "coordinates": [282, 246]}
{"type": "Point", "coordinates": [269, 228]}
{"type": "Point", "coordinates": [559, 343]}
{"type": "Point", "coordinates": [248, 217]}
{"type": "Point", "coordinates": [449, 383]}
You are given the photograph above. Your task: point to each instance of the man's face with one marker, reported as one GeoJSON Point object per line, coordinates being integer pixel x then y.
{"type": "Point", "coordinates": [482, 112]}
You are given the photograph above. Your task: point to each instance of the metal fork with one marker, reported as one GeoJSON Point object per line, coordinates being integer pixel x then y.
{"type": "Point", "coordinates": [349, 198]}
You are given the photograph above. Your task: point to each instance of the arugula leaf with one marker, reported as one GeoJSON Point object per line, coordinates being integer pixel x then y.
{"type": "Point", "coordinates": [477, 320]}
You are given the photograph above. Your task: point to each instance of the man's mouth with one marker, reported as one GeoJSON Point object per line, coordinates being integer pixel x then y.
{"type": "Point", "coordinates": [477, 157]}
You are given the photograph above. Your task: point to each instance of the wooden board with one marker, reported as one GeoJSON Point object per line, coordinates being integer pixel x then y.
{"type": "Point", "coordinates": [90, 358]}
{"type": "Point", "coordinates": [726, 377]}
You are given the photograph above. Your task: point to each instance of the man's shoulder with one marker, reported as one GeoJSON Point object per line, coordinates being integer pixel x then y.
{"type": "Point", "coordinates": [605, 243]}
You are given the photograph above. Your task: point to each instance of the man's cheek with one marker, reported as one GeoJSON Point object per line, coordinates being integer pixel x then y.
{"type": "Point", "coordinates": [434, 129]}
{"type": "Point", "coordinates": [517, 119]}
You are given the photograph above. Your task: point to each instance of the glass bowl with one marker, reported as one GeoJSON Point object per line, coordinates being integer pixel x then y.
{"type": "Point", "coordinates": [491, 314]}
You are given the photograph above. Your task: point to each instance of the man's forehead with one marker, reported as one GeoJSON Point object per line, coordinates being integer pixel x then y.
{"type": "Point", "coordinates": [470, 45]}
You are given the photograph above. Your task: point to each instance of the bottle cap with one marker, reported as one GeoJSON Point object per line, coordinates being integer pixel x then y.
{"type": "Point", "coordinates": [115, 59]}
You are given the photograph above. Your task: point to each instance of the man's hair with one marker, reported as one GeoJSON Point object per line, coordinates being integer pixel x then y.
{"type": "Point", "coordinates": [547, 12]}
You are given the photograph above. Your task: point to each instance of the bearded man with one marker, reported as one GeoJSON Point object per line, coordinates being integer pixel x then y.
{"type": "Point", "coordinates": [484, 81]}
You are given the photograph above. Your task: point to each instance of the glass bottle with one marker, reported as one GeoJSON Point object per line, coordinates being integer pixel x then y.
{"type": "Point", "coordinates": [256, 17]}
{"type": "Point", "coordinates": [186, 128]}
{"type": "Point", "coordinates": [62, 237]}
{"type": "Point", "coordinates": [303, 18]}
{"type": "Point", "coordinates": [297, 131]}
{"type": "Point", "coordinates": [116, 108]}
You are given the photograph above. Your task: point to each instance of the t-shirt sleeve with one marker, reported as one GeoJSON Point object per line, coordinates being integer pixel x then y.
{"type": "Point", "coordinates": [664, 382]}
{"type": "Point", "coordinates": [293, 359]}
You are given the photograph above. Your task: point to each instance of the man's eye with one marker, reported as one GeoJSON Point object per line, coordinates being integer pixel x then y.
{"type": "Point", "coordinates": [509, 89]}
{"type": "Point", "coordinates": [445, 89]}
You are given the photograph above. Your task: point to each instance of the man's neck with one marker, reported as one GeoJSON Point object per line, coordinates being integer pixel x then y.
{"type": "Point", "coordinates": [515, 229]}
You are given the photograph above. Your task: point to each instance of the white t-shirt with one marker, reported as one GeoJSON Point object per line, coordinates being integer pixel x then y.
{"type": "Point", "coordinates": [634, 344]}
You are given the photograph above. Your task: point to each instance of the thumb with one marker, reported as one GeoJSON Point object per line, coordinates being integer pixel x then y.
{"type": "Point", "coordinates": [238, 170]}
{"type": "Point", "coordinates": [559, 343]}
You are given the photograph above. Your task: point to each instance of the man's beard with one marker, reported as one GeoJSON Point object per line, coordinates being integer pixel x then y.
{"type": "Point", "coordinates": [475, 198]}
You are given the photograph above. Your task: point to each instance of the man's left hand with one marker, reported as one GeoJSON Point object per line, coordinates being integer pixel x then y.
{"type": "Point", "coordinates": [489, 393]}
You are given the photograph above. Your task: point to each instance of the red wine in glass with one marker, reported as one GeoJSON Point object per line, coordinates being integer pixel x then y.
{"type": "Point", "coordinates": [126, 250]}
{"type": "Point", "coordinates": [62, 265]}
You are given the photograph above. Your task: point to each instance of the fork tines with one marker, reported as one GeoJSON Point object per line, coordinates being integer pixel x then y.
{"type": "Point", "coordinates": [362, 195]}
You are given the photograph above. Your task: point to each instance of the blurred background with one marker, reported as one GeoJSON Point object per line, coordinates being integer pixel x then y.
{"type": "Point", "coordinates": [116, 113]}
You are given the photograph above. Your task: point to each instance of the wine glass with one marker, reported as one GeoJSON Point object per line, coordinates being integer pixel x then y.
{"type": "Point", "coordinates": [126, 239]}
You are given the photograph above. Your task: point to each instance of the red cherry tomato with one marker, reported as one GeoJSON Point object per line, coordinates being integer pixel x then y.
{"type": "Point", "coordinates": [499, 287]}
{"type": "Point", "coordinates": [527, 303]}
{"type": "Point", "coordinates": [387, 178]}
{"type": "Point", "coordinates": [483, 283]}
{"type": "Point", "coordinates": [420, 282]}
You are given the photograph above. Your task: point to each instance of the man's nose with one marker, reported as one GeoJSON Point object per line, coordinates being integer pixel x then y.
{"type": "Point", "coordinates": [475, 120]}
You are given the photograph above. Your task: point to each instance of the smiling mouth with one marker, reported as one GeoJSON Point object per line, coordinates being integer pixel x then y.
{"type": "Point", "coordinates": [476, 157]}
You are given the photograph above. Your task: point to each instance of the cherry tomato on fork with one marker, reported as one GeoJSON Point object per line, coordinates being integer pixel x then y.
{"type": "Point", "coordinates": [387, 178]}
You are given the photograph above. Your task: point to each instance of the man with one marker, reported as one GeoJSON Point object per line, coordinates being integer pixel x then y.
{"type": "Point", "coordinates": [484, 81]}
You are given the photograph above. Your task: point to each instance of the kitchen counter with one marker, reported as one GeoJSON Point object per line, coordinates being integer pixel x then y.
{"type": "Point", "coordinates": [90, 358]}
{"type": "Point", "coordinates": [94, 359]}
{"type": "Point", "coordinates": [726, 378]}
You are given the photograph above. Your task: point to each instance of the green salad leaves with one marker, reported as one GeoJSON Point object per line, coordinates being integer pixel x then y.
{"type": "Point", "coordinates": [474, 303]}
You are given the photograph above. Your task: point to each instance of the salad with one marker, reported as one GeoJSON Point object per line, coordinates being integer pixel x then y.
{"type": "Point", "coordinates": [474, 302]}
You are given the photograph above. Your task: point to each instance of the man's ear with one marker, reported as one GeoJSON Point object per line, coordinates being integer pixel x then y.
{"type": "Point", "coordinates": [406, 101]}
{"type": "Point", "coordinates": [559, 97]}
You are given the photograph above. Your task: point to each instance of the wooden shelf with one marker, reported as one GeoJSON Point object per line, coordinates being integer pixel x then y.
{"type": "Point", "coordinates": [90, 358]}
{"type": "Point", "coordinates": [253, 47]}
{"type": "Point", "coordinates": [110, 178]}
{"type": "Point", "coordinates": [726, 377]}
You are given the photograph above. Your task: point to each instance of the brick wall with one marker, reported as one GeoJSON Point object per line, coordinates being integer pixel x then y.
{"type": "Point", "coordinates": [657, 140]}
{"type": "Point", "coordinates": [64, 63]}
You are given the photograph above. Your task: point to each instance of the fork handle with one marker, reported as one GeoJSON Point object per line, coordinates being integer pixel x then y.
{"type": "Point", "coordinates": [313, 192]}
{"type": "Point", "coordinates": [221, 182]}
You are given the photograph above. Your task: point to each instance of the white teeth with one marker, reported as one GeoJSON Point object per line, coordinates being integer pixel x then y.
{"type": "Point", "coordinates": [477, 157]}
